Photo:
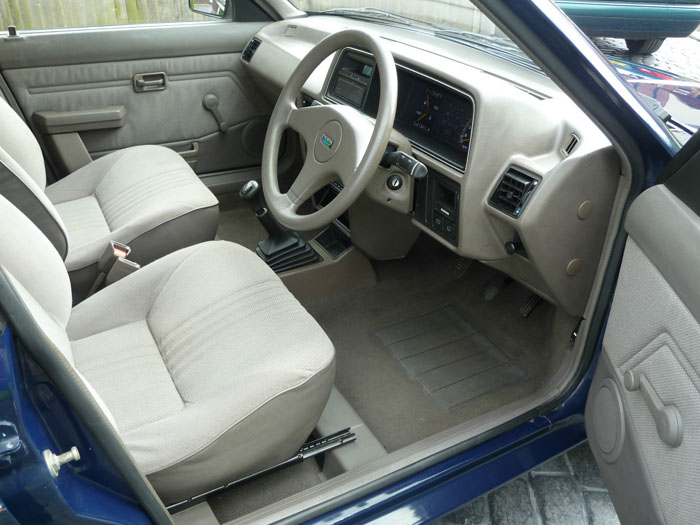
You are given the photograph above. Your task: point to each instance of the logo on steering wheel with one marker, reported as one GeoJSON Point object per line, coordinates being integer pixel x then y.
{"type": "Point", "coordinates": [326, 141]}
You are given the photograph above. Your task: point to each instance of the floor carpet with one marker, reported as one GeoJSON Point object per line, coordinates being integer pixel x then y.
{"type": "Point", "coordinates": [393, 354]}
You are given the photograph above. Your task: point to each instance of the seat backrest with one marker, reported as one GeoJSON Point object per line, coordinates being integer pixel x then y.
{"type": "Point", "coordinates": [23, 177]}
{"type": "Point", "coordinates": [37, 273]}
{"type": "Point", "coordinates": [19, 143]}
{"type": "Point", "coordinates": [40, 278]}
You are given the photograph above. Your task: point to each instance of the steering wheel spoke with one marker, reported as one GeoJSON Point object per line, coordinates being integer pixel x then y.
{"type": "Point", "coordinates": [311, 178]}
{"type": "Point", "coordinates": [341, 142]}
{"type": "Point", "coordinates": [304, 121]}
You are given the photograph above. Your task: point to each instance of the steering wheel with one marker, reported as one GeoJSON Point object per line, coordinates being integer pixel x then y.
{"type": "Point", "coordinates": [341, 142]}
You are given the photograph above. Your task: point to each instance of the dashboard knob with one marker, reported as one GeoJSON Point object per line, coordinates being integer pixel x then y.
{"type": "Point", "coordinates": [511, 247]}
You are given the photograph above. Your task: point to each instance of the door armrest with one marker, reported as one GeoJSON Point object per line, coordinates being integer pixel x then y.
{"type": "Point", "coordinates": [52, 122]}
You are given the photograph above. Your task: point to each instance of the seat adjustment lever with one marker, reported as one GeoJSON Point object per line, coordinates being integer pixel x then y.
{"type": "Point", "coordinates": [669, 423]}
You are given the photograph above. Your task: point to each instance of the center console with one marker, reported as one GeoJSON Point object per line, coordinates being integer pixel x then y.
{"type": "Point", "coordinates": [437, 205]}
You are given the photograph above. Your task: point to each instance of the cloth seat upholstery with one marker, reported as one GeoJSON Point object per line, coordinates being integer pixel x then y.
{"type": "Point", "coordinates": [144, 196]}
{"type": "Point", "coordinates": [205, 363]}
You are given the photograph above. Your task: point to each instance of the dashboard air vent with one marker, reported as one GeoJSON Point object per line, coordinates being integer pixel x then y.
{"type": "Point", "coordinates": [570, 145]}
{"type": "Point", "coordinates": [250, 49]}
{"type": "Point", "coordinates": [513, 192]}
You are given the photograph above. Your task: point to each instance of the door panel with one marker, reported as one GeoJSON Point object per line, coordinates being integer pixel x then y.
{"type": "Point", "coordinates": [653, 334]}
{"type": "Point", "coordinates": [196, 59]}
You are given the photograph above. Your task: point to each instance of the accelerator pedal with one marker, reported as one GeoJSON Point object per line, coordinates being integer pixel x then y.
{"type": "Point", "coordinates": [308, 450]}
{"type": "Point", "coordinates": [493, 288]}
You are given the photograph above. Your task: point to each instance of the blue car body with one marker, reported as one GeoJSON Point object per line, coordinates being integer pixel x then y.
{"type": "Point", "coordinates": [31, 406]}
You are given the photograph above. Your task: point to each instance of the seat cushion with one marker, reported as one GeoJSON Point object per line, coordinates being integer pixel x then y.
{"type": "Point", "coordinates": [145, 196]}
{"type": "Point", "coordinates": [211, 369]}
{"type": "Point", "coordinates": [84, 223]}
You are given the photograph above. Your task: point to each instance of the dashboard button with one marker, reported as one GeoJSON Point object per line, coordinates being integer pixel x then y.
{"type": "Point", "coordinates": [439, 222]}
{"type": "Point", "coordinates": [394, 182]}
{"type": "Point", "coordinates": [450, 229]}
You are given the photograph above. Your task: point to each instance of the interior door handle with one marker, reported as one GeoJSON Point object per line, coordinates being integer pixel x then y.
{"type": "Point", "coordinates": [150, 82]}
{"type": "Point", "coordinates": [669, 423]}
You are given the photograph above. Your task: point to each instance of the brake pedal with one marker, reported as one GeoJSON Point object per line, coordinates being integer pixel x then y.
{"type": "Point", "coordinates": [493, 288]}
{"type": "Point", "coordinates": [460, 269]}
{"type": "Point", "coordinates": [530, 305]}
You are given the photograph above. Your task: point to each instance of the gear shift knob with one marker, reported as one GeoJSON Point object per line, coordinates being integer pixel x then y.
{"type": "Point", "coordinates": [250, 190]}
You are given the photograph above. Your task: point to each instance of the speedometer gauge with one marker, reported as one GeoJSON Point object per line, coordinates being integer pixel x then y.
{"type": "Point", "coordinates": [465, 136]}
{"type": "Point", "coordinates": [429, 107]}
{"type": "Point", "coordinates": [435, 117]}
{"type": "Point", "coordinates": [423, 121]}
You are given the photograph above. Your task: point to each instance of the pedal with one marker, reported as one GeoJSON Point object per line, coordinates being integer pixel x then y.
{"type": "Point", "coordinates": [530, 305]}
{"type": "Point", "coordinates": [493, 288]}
{"type": "Point", "coordinates": [460, 269]}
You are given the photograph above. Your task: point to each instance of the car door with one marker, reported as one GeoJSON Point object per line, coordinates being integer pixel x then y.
{"type": "Point", "coordinates": [87, 92]}
{"type": "Point", "coordinates": [643, 409]}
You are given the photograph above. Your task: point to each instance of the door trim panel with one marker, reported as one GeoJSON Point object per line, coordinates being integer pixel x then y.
{"type": "Point", "coordinates": [131, 42]}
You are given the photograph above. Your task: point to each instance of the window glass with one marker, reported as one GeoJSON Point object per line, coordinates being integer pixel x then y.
{"type": "Point", "coordinates": [454, 14]}
{"type": "Point", "coordinates": [50, 14]}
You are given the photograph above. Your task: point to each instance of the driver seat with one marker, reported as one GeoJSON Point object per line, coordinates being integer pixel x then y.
{"type": "Point", "coordinates": [144, 196]}
{"type": "Point", "coordinates": [205, 364]}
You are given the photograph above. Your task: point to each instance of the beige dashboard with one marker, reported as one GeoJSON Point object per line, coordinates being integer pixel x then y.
{"type": "Point", "coordinates": [522, 123]}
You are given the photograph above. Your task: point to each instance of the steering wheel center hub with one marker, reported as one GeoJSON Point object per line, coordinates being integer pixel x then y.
{"type": "Point", "coordinates": [327, 141]}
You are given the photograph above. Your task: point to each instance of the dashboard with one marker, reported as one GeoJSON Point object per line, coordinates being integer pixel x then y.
{"type": "Point", "coordinates": [519, 177]}
{"type": "Point", "coordinates": [435, 117]}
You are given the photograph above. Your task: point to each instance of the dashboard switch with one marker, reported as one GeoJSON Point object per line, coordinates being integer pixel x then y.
{"type": "Point", "coordinates": [394, 182]}
{"type": "Point", "coordinates": [405, 163]}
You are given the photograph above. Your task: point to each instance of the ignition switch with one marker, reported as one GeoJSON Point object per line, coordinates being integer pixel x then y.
{"type": "Point", "coordinates": [394, 182]}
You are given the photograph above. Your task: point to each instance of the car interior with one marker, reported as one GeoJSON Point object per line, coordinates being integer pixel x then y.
{"type": "Point", "coordinates": [246, 237]}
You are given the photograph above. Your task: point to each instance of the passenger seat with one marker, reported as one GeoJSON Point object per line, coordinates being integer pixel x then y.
{"type": "Point", "coordinates": [144, 196]}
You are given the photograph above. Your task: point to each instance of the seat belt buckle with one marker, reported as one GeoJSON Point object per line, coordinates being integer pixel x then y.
{"type": "Point", "coordinates": [113, 265]}
{"type": "Point", "coordinates": [120, 269]}
{"type": "Point", "coordinates": [113, 252]}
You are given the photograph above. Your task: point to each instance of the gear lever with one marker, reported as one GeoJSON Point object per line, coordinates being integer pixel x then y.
{"type": "Point", "coordinates": [250, 192]}
{"type": "Point", "coordinates": [283, 249]}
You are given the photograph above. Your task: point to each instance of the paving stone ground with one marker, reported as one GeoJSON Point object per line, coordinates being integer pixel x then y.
{"type": "Point", "coordinates": [680, 56]}
{"type": "Point", "coordinates": [568, 490]}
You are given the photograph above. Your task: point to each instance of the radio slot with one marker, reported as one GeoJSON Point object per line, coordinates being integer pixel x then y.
{"type": "Point", "coordinates": [437, 205]}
